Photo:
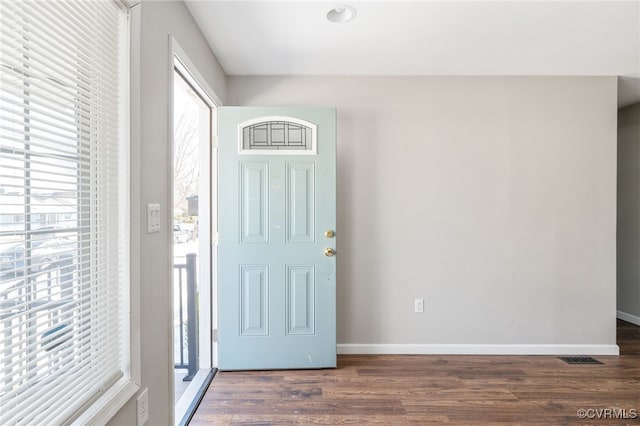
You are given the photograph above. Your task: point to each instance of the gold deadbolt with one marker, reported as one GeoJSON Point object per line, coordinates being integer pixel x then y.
{"type": "Point", "coordinates": [329, 233]}
{"type": "Point", "coordinates": [329, 252]}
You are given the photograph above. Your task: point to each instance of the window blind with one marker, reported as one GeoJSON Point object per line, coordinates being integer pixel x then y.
{"type": "Point", "coordinates": [63, 206]}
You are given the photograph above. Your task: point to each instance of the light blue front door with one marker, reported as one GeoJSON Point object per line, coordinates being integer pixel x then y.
{"type": "Point", "coordinates": [277, 220]}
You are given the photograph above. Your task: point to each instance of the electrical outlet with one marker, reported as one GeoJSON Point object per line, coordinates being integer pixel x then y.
{"type": "Point", "coordinates": [143, 407]}
{"type": "Point", "coordinates": [418, 305]}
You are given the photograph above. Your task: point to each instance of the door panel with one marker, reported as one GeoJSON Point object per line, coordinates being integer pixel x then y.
{"type": "Point", "coordinates": [300, 202]}
{"type": "Point", "coordinates": [254, 217]}
{"type": "Point", "coordinates": [277, 198]}
{"type": "Point", "coordinates": [300, 299]}
{"type": "Point", "coordinates": [254, 296]}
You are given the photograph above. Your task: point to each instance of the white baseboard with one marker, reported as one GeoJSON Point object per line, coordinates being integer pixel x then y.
{"type": "Point", "coordinates": [633, 319]}
{"type": "Point", "coordinates": [435, 349]}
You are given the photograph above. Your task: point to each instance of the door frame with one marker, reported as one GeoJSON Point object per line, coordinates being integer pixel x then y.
{"type": "Point", "coordinates": [180, 61]}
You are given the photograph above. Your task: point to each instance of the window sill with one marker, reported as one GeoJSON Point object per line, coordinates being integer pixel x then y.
{"type": "Point", "coordinates": [102, 410]}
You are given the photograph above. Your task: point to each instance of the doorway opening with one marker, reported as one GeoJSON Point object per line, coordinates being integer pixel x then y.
{"type": "Point", "coordinates": [194, 224]}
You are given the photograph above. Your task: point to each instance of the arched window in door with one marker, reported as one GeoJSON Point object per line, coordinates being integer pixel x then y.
{"type": "Point", "coordinates": [277, 135]}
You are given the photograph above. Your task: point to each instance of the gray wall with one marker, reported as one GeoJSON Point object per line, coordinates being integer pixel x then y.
{"type": "Point", "coordinates": [492, 198]}
{"type": "Point", "coordinates": [629, 213]}
{"type": "Point", "coordinates": [151, 174]}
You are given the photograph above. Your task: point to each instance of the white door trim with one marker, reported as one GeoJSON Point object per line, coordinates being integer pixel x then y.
{"type": "Point", "coordinates": [208, 291]}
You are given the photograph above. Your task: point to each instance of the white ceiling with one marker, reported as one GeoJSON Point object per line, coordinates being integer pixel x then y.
{"type": "Point", "coordinates": [424, 37]}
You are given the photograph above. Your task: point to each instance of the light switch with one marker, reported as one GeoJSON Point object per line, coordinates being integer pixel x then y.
{"type": "Point", "coordinates": [153, 218]}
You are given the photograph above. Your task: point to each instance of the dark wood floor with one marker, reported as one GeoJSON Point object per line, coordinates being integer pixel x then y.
{"type": "Point", "coordinates": [420, 389]}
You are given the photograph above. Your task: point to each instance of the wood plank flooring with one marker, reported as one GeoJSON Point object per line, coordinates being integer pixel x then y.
{"type": "Point", "coordinates": [434, 389]}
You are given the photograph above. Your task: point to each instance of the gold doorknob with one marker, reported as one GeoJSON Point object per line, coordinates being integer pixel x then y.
{"type": "Point", "coordinates": [329, 233]}
{"type": "Point", "coordinates": [329, 252]}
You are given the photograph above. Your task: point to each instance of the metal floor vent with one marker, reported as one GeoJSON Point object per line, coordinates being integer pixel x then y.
{"type": "Point", "coordinates": [579, 360]}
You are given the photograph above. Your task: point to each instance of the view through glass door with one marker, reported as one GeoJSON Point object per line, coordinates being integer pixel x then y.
{"type": "Point", "coordinates": [193, 121]}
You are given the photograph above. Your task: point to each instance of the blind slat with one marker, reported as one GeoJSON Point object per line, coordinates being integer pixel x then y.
{"type": "Point", "coordinates": [69, 354]}
{"type": "Point", "coordinates": [82, 332]}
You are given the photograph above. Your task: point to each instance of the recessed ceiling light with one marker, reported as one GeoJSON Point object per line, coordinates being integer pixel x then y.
{"type": "Point", "coordinates": [341, 14]}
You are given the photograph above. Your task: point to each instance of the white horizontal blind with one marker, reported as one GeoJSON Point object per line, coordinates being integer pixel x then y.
{"type": "Point", "coordinates": [63, 206]}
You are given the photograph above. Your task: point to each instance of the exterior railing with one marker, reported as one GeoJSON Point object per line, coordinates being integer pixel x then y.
{"type": "Point", "coordinates": [36, 308]}
{"type": "Point", "coordinates": [48, 297]}
{"type": "Point", "coordinates": [185, 281]}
